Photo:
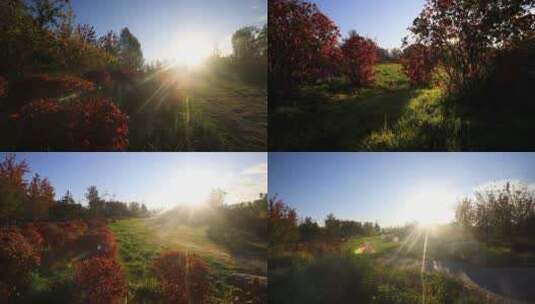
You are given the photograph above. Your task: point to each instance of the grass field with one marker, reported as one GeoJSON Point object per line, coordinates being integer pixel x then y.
{"type": "Point", "coordinates": [197, 112]}
{"type": "Point", "coordinates": [387, 268]}
{"type": "Point", "coordinates": [391, 115]}
{"type": "Point", "coordinates": [140, 240]}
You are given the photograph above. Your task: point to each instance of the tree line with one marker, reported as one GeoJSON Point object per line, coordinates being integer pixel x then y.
{"type": "Point", "coordinates": [502, 211]}
{"type": "Point", "coordinates": [27, 200]}
{"type": "Point", "coordinates": [285, 227]}
{"type": "Point", "coordinates": [472, 44]}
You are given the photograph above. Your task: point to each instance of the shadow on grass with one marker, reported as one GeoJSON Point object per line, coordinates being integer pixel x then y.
{"type": "Point", "coordinates": [336, 122]}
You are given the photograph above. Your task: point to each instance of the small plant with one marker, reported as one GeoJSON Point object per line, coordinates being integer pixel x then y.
{"type": "Point", "coordinates": [184, 278]}
{"type": "Point", "coordinates": [102, 279]}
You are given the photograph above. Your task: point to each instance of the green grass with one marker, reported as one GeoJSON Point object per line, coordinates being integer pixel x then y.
{"type": "Point", "coordinates": [390, 115]}
{"type": "Point", "coordinates": [140, 240]}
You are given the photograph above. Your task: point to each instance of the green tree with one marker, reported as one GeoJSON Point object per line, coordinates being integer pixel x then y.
{"type": "Point", "coordinates": [130, 54]}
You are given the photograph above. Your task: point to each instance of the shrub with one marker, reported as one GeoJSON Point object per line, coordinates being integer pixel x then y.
{"type": "Point", "coordinates": [359, 57]}
{"type": "Point", "coordinates": [54, 236]}
{"type": "Point", "coordinates": [101, 242]}
{"type": "Point", "coordinates": [98, 124]}
{"type": "Point", "coordinates": [33, 236]}
{"type": "Point", "coordinates": [102, 280]}
{"type": "Point", "coordinates": [302, 42]}
{"type": "Point", "coordinates": [73, 229]}
{"type": "Point", "coordinates": [17, 259]}
{"type": "Point", "coordinates": [184, 278]}
{"type": "Point", "coordinates": [418, 64]}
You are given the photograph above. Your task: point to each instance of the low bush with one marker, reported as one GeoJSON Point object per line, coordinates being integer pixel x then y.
{"type": "Point", "coordinates": [100, 242]}
{"type": "Point", "coordinates": [183, 277]}
{"type": "Point", "coordinates": [100, 78]}
{"type": "Point", "coordinates": [102, 280]}
{"type": "Point", "coordinates": [31, 233]}
{"type": "Point", "coordinates": [98, 124]}
{"type": "Point", "coordinates": [17, 259]}
{"type": "Point", "coordinates": [418, 64]}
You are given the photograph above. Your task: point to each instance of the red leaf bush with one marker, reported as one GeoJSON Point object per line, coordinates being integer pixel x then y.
{"type": "Point", "coordinates": [102, 279]}
{"type": "Point", "coordinates": [73, 230]}
{"type": "Point", "coordinates": [54, 236]}
{"type": "Point", "coordinates": [302, 44]}
{"type": "Point", "coordinates": [359, 57]}
{"type": "Point", "coordinates": [101, 242]}
{"type": "Point", "coordinates": [93, 124]}
{"type": "Point", "coordinates": [98, 124]}
{"type": "Point", "coordinates": [184, 278]}
{"type": "Point", "coordinates": [33, 236]}
{"type": "Point", "coordinates": [17, 259]}
{"type": "Point", "coordinates": [418, 64]}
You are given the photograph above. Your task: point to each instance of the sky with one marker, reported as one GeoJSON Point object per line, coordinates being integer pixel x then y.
{"type": "Point", "coordinates": [164, 27]}
{"type": "Point", "coordinates": [384, 21]}
{"type": "Point", "coordinates": [390, 188]}
{"type": "Point", "coordinates": [160, 180]}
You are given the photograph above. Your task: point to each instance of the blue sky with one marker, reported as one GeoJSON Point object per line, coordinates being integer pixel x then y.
{"type": "Point", "coordinates": [161, 25]}
{"type": "Point", "coordinates": [161, 180]}
{"type": "Point", "coordinates": [385, 21]}
{"type": "Point", "coordinates": [391, 188]}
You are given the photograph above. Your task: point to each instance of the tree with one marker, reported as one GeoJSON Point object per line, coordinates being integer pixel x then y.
{"type": "Point", "coordinates": [302, 45]}
{"type": "Point", "coordinates": [50, 14]}
{"type": "Point", "coordinates": [40, 198]}
{"type": "Point", "coordinates": [282, 223]}
{"type": "Point", "coordinates": [216, 198]}
{"type": "Point", "coordinates": [465, 34]}
{"type": "Point", "coordinates": [96, 204]}
{"type": "Point", "coordinates": [67, 198]}
{"type": "Point", "coordinates": [12, 188]}
{"type": "Point", "coordinates": [109, 42]}
{"type": "Point", "coordinates": [243, 43]}
{"type": "Point", "coordinates": [130, 54]}
{"type": "Point", "coordinates": [359, 55]}
{"type": "Point", "coordinates": [87, 34]}
{"type": "Point", "coordinates": [309, 229]}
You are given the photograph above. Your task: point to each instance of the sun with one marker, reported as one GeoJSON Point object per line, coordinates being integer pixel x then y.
{"type": "Point", "coordinates": [430, 206]}
{"type": "Point", "coordinates": [192, 49]}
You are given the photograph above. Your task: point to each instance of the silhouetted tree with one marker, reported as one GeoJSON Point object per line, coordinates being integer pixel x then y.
{"type": "Point", "coordinates": [130, 54]}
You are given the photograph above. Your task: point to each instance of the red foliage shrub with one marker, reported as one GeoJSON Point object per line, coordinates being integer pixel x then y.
{"type": "Point", "coordinates": [100, 242]}
{"type": "Point", "coordinates": [54, 235]}
{"type": "Point", "coordinates": [45, 86]}
{"type": "Point", "coordinates": [359, 57]}
{"type": "Point", "coordinates": [184, 278]}
{"type": "Point", "coordinates": [73, 230]}
{"type": "Point", "coordinates": [97, 222]}
{"type": "Point", "coordinates": [17, 259]}
{"type": "Point", "coordinates": [101, 78]}
{"type": "Point", "coordinates": [418, 64]}
{"type": "Point", "coordinates": [33, 236]}
{"type": "Point", "coordinates": [102, 279]}
{"type": "Point", "coordinates": [302, 44]}
{"type": "Point", "coordinates": [98, 124]}
{"type": "Point", "coordinates": [3, 86]}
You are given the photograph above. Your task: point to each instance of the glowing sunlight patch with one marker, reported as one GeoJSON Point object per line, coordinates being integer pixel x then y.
{"type": "Point", "coordinates": [430, 205]}
{"type": "Point", "coordinates": [192, 48]}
